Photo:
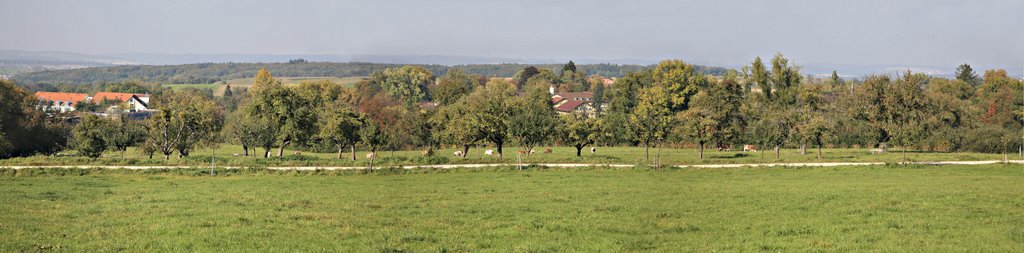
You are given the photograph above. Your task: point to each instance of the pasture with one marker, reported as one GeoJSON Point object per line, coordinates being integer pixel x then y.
{"type": "Point", "coordinates": [873, 208]}
{"type": "Point", "coordinates": [224, 156]}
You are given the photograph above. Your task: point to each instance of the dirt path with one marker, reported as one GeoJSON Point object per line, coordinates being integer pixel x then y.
{"type": "Point", "coordinates": [554, 165]}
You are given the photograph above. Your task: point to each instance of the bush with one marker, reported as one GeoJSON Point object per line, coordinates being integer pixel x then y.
{"type": "Point", "coordinates": [990, 139]}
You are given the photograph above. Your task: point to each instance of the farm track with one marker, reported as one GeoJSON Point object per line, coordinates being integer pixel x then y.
{"type": "Point", "coordinates": [553, 165]}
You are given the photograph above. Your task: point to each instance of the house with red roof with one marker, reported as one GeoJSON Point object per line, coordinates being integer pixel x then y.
{"type": "Point", "coordinates": [575, 103]}
{"type": "Point", "coordinates": [60, 101]}
{"type": "Point", "coordinates": [133, 101]}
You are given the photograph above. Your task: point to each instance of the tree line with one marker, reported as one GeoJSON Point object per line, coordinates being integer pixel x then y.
{"type": "Point", "coordinates": [672, 104]}
{"type": "Point", "coordinates": [205, 73]}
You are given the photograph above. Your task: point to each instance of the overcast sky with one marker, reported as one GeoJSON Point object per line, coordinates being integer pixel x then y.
{"type": "Point", "coordinates": [874, 32]}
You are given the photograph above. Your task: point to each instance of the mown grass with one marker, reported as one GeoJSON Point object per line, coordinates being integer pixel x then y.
{"type": "Point", "coordinates": [178, 86]}
{"type": "Point", "coordinates": [224, 155]}
{"type": "Point", "coordinates": [872, 208]}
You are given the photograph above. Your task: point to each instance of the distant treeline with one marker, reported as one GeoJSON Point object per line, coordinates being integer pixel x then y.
{"type": "Point", "coordinates": [214, 72]}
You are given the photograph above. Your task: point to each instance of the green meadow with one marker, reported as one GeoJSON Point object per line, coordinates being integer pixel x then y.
{"type": "Point", "coordinates": [868, 208]}
{"type": "Point", "coordinates": [224, 155]}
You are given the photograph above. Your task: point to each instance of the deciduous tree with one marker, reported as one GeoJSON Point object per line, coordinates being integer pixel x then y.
{"type": "Point", "coordinates": [89, 136]}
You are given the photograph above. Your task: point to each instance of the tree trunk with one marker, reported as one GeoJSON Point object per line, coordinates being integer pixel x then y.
{"type": "Point", "coordinates": [777, 148]}
{"type": "Point", "coordinates": [700, 150]}
{"type": "Point", "coordinates": [372, 157]}
{"type": "Point", "coordinates": [819, 150]}
{"type": "Point", "coordinates": [353, 149]}
{"type": "Point", "coordinates": [647, 152]}
{"type": "Point", "coordinates": [579, 150]}
{"type": "Point", "coordinates": [658, 158]}
{"type": "Point", "coordinates": [498, 146]}
{"type": "Point", "coordinates": [904, 155]}
{"type": "Point", "coordinates": [266, 153]}
{"type": "Point", "coordinates": [167, 156]}
{"type": "Point", "coordinates": [245, 150]}
{"type": "Point", "coordinates": [884, 146]}
{"type": "Point", "coordinates": [280, 150]}
{"type": "Point", "coordinates": [341, 149]}
{"type": "Point", "coordinates": [803, 148]}
{"type": "Point", "coordinates": [465, 150]}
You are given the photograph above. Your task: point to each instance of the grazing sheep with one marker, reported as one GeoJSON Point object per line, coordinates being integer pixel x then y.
{"type": "Point", "coordinates": [547, 151]}
{"type": "Point", "coordinates": [489, 152]}
{"type": "Point", "coordinates": [532, 152]}
{"type": "Point", "coordinates": [458, 153]}
{"type": "Point", "coordinates": [298, 153]}
{"type": "Point", "coordinates": [235, 154]}
{"type": "Point", "coordinates": [369, 155]}
{"type": "Point", "coordinates": [593, 150]}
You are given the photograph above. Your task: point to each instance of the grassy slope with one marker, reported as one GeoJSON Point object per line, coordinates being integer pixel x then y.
{"type": "Point", "coordinates": [894, 208]}
{"type": "Point", "coordinates": [614, 155]}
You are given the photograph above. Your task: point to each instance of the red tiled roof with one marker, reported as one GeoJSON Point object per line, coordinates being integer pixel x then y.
{"type": "Point", "coordinates": [556, 99]}
{"type": "Point", "coordinates": [116, 96]}
{"type": "Point", "coordinates": [74, 98]}
{"type": "Point", "coordinates": [568, 106]}
{"type": "Point", "coordinates": [574, 95]}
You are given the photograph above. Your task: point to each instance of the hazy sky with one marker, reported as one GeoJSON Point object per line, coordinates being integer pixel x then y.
{"type": "Point", "coordinates": [874, 32]}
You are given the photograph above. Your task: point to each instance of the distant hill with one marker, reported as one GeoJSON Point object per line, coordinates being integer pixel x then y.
{"type": "Point", "coordinates": [214, 72]}
{"type": "Point", "coordinates": [15, 62]}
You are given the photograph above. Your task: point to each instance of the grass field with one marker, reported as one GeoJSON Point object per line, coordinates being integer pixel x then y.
{"type": "Point", "coordinates": [604, 155]}
{"type": "Point", "coordinates": [876, 208]}
{"type": "Point", "coordinates": [218, 88]}
{"type": "Point", "coordinates": [178, 86]}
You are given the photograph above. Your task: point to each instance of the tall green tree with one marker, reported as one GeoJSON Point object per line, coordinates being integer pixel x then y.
{"type": "Point", "coordinates": [524, 75]}
{"type": "Point", "coordinates": [579, 131]}
{"type": "Point", "coordinates": [651, 119]}
{"type": "Point", "coordinates": [124, 132]}
{"type": "Point", "coordinates": [184, 121]}
{"type": "Point", "coordinates": [759, 77]}
{"type": "Point", "coordinates": [340, 126]}
{"type": "Point", "coordinates": [597, 87]}
{"type": "Point", "coordinates": [714, 115]}
{"type": "Point", "coordinates": [785, 79]}
{"type": "Point", "coordinates": [910, 107]}
{"type": "Point", "coordinates": [291, 112]}
{"type": "Point", "coordinates": [408, 84]}
{"type": "Point", "coordinates": [622, 99]}
{"type": "Point", "coordinates": [456, 125]}
{"type": "Point", "coordinates": [966, 74]}
{"type": "Point", "coordinates": [227, 91]}
{"type": "Point", "coordinates": [774, 128]}
{"type": "Point", "coordinates": [89, 136]}
{"type": "Point", "coordinates": [809, 125]}
{"type": "Point", "coordinates": [571, 66]}
{"type": "Point", "coordinates": [452, 86]}
{"type": "Point", "coordinates": [493, 104]}
{"type": "Point", "coordinates": [373, 136]}
{"type": "Point", "coordinates": [25, 130]}
{"type": "Point", "coordinates": [680, 80]}
{"type": "Point", "coordinates": [530, 121]}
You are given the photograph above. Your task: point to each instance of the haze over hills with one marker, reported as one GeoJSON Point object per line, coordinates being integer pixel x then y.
{"type": "Point", "coordinates": [14, 62]}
